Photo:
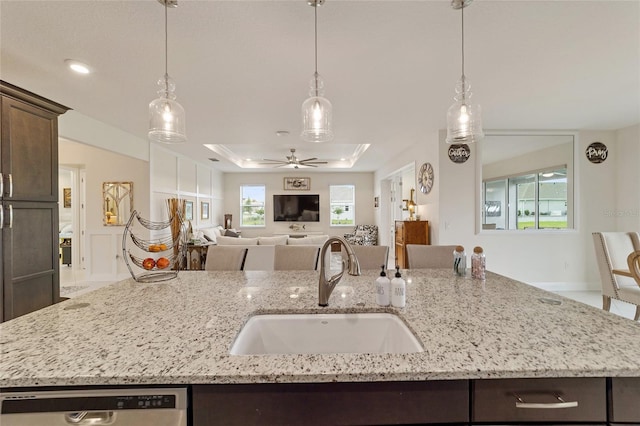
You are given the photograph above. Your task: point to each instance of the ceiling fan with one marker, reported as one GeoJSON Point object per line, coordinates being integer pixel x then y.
{"type": "Point", "coordinates": [293, 162]}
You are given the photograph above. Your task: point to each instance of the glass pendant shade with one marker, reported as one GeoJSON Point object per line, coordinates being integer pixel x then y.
{"type": "Point", "coordinates": [166, 116]}
{"type": "Point", "coordinates": [464, 119]}
{"type": "Point", "coordinates": [317, 114]}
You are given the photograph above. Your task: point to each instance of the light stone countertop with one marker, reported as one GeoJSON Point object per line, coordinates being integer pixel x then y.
{"type": "Point", "coordinates": [180, 332]}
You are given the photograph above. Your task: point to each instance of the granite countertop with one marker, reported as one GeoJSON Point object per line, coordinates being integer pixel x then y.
{"type": "Point", "coordinates": [180, 332]}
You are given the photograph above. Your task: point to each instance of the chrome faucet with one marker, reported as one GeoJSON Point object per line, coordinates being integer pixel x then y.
{"type": "Point", "coordinates": [326, 286]}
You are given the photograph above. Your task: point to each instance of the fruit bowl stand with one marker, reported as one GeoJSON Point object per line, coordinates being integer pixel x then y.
{"type": "Point", "coordinates": [160, 257]}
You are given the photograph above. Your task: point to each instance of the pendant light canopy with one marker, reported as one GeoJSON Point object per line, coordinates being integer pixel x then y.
{"type": "Point", "coordinates": [316, 111]}
{"type": "Point", "coordinates": [464, 119]}
{"type": "Point", "coordinates": [166, 116]}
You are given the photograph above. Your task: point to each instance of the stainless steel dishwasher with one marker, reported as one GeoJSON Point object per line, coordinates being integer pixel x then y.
{"type": "Point", "coordinates": [96, 407]}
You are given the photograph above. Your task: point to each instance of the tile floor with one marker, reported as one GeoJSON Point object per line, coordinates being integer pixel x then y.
{"type": "Point", "coordinates": [74, 283]}
{"type": "Point", "coordinates": [594, 298]}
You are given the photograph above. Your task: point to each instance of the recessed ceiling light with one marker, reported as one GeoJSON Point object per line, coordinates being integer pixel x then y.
{"type": "Point", "coordinates": [77, 66]}
{"type": "Point", "coordinates": [282, 133]}
{"type": "Point", "coordinates": [342, 159]}
{"type": "Point", "coordinates": [248, 159]}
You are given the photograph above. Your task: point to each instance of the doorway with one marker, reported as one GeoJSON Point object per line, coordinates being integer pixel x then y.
{"type": "Point", "coordinates": [394, 188]}
{"type": "Point", "coordinates": [71, 215]}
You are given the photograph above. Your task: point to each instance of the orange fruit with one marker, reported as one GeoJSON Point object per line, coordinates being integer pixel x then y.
{"type": "Point", "coordinates": [148, 263]}
{"type": "Point", "coordinates": [162, 263]}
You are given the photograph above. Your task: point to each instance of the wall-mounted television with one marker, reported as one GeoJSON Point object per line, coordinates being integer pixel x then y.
{"type": "Point", "coordinates": [296, 208]}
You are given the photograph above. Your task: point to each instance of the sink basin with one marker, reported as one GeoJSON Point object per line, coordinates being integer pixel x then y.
{"type": "Point", "coordinates": [325, 333]}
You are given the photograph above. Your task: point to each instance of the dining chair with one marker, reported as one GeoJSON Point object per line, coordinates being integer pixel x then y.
{"type": "Point", "coordinates": [370, 257]}
{"type": "Point", "coordinates": [296, 258]}
{"type": "Point", "coordinates": [225, 258]}
{"type": "Point", "coordinates": [428, 256]}
{"type": "Point", "coordinates": [617, 263]}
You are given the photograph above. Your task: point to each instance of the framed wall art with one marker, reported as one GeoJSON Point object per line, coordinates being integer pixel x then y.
{"type": "Point", "coordinates": [297, 183]}
{"type": "Point", "coordinates": [66, 196]}
{"type": "Point", "coordinates": [204, 210]}
{"type": "Point", "coordinates": [188, 210]}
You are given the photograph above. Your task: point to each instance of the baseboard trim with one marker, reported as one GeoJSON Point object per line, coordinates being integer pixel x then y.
{"type": "Point", "coordinates": [567, 286]}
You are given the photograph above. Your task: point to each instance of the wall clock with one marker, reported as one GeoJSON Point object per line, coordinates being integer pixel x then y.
{"type": "Point", "coordinates": [425, 178]}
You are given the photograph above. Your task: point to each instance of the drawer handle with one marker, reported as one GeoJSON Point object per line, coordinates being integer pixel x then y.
{"type": "Point", "coordinates": [520, 403]}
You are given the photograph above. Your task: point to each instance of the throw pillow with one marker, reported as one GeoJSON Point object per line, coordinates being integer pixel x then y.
{"type": "Point", "coordinates": [230, 233]}
{"type": "Point", "coordinates": [210, 234]}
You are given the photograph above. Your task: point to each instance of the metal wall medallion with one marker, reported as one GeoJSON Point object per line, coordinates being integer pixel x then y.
{"type": "Point", "coordinates": [459, 153]}
{"type": "Point", "coordinates": [597, 152]}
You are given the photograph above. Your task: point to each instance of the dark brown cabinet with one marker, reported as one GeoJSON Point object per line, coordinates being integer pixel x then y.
{"type": "Point", "coordinates": [409, 232]}
{"type": "Point", "coordinates": [378, 403]}
{"type": "Point", "coordinates": [625, 395]}
{"type": "Point", "coordinates": [29, 217]}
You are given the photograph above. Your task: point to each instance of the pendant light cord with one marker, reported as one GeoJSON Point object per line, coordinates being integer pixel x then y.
{"type": "Point", "coordinates": [462, 14]}
{"type": "Point", "coordinates": [315, 14]}
{"type": "Point", "coordinates": [166, 47]}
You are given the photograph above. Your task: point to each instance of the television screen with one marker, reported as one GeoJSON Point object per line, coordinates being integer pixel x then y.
{"type": "Point", "coordinates": [296, 208]}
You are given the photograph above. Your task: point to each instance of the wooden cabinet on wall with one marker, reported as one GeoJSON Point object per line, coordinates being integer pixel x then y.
{"type": "Point", "coordinates": [409, 232]}
{"type": "Point", "coordinates": [29, 211]}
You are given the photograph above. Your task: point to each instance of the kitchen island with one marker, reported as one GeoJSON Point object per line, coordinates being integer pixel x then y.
{"type": "Point", "coordinates": [180, 332]}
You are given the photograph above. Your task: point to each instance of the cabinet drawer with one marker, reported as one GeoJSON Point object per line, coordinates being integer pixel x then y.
{"type": "Point", "coordinates": [625, 395]}
{"type": "Point", "coordinates": [536, 400]}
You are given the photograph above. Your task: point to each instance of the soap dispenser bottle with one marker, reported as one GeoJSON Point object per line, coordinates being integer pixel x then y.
{"type": "Point", "coordinates": [383, 289]}
{"type": "Point", "coordinates": [398, 288]}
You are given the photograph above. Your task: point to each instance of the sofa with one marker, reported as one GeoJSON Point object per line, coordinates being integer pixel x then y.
{"type": "Point", "coordinates": [261, 251]}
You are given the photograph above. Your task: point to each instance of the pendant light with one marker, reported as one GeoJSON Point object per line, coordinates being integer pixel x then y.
{"type": "Point", "coordinates": [316, 111]}
{"type": "Point", "coordinates": [464, 120]}
{"type": "Point", "coordinates": [166, 116]}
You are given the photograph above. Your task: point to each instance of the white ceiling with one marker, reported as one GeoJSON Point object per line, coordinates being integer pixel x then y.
{"type": "Point", "coordinates": [242, 68]}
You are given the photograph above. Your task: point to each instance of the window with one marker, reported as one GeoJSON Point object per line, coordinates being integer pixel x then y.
{"type": "Point", "coordinates": [252, 205]}
{"type": "Point", "coordinates": [535, 200]}
{"type": "Point", "coordinates": [342, 203]}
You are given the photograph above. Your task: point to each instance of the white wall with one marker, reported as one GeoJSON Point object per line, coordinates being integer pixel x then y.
{"type": "Point", "coordinates": [427, 204]}
{"type": "Point", "coordinates": [606, 198]}
{"type": "Point", "coordinates": [319, 185]}
{"type": "Point", "coordinates": [175, 176]}
{"type": "Point", "coordinates": [552, 260]}
{"type": "Point", "coordinates": [628, 179]}
{"type": "Point", "coordinates": [103, 253]}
